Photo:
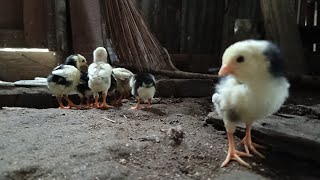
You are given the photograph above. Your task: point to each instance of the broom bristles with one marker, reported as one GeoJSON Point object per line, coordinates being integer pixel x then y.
{"type": "Point", "coordinates": [132, 40]}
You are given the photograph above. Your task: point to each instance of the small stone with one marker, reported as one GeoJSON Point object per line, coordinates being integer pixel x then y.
{"type": "Point", "coordinates": [122, 161]}
{"type": "Point", "coordinates": [157, 139]}
{"type": "Point", "coordinates": [254, 164]}
{"type": "Point", "coordinates": [155, 100]}
{"type": "Point", "coordinates": [125, 100]}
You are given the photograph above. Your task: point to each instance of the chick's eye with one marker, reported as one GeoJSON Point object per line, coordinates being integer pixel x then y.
{"type": "Point", "coordinates": [240, 59]}
{"type": "Point", "coordinates": [82, 60]}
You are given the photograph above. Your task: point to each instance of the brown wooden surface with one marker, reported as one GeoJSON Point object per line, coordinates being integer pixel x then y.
{"type": "Point", "coordinates": [35, 18]}
{"type": "Point", "coordinates": [26, 65]}
{"type": "Point", "coordinates": [86, 26]}
{"type": "Point", "coordinates": [23, 23]}
{"type": "Point", "coordinates": [185, 26]}
{"type": "Point", "coordinates": [11, 16]}
{"type": "Point", "coordinates": [281, 27]}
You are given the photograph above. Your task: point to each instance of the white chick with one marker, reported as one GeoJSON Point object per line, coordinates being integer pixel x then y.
{"type": "Point", "coordinates": [123, 88]}
{"type": "Point", "coordinates": [253, 87]}
{"type": "Point", "coordinates": [143, 88]}
{"type": "Point", "coordinates": [100, 76]}
{"type": "Point", "coordinates": [65, 77]}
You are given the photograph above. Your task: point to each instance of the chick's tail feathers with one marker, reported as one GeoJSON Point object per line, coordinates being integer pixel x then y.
{"type": "Point", "coordinates": [122, 73]}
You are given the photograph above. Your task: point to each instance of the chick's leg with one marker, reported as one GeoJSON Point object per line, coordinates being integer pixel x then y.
{"type": "Point", "coordinates": [119, 100]}
{"type": "Point", "coordinates": [96, 101]}
{"type": "Point", "coordinates": [59, 98]}
{"type": "Point", "coordinates": [149, 103]}
{"type": "Point", "coordinates": [104, 102]}
{"type": "Point", "coordinates": [138, 106]}
{"type": "Point", "coordinates": [88, 102]}
{"type": "Point", "coordinates": [70, 103]}
{"type": "Point", "coordinates": [234, 154]}
{"type": "Point", "coordinates": [249, 145]}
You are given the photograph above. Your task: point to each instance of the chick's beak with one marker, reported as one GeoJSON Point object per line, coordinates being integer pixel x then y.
{"type": "Point", "coordinates": [226, 69]}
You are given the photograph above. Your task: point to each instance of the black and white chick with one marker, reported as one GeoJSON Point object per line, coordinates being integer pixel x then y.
{"type": "Point", "coordinates": [253, 88]}
{"type": "Point", "coordinates": [65, 77]}
{"type": "Point", "coordinates": [83, 89]}
{"type": "Point", "coordinates": [100, 76]}
{"type": "Point", "coordinates": [143, 87]}
{"type": "Point", "coordinates": [123, 88]}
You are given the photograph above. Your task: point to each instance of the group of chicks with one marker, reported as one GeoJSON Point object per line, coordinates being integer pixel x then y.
{"type": "Point", "coordinates": [252, 87]}
{"type": "Point", "coordinates": [101, 78]}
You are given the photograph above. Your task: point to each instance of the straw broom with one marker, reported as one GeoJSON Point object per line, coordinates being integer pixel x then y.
{"type": "Point", "coordinates": [135, 45]}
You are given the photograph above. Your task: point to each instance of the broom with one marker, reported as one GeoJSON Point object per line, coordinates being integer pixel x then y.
{"type": "Point", "coordinates": [135, 46]}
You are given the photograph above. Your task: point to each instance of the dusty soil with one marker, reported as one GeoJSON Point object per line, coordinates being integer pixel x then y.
{"type": "Point", "coordinates": [126, 144]}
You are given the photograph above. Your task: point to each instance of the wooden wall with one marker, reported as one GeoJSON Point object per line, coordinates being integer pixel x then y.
{"type": "Point", "coordinates": [27, 24]}
{"type": "Point", "coordinates": [308, 19]}
{"type": "Point", "coordinates": [185, 26]}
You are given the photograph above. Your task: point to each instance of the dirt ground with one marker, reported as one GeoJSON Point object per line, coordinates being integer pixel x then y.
{"type": "Point", "coordinates": [119, 143]}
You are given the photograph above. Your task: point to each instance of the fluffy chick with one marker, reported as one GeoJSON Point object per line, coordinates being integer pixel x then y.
{"type": "Point", "coordinates": [65, 77]}
{"type": "Point", "coordinates": [143, 87]}
{"type": "Point", "coordinates": [83, 89]}
{"type": "Point", "coordinates": [100, 76]}
{"type": "Point", "coordinates": [123, 88]}
{"type": "Point", "coordinates": [253, 87]}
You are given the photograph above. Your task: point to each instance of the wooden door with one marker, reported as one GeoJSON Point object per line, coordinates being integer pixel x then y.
{"type": "Point", "coordinates": [23, 23]}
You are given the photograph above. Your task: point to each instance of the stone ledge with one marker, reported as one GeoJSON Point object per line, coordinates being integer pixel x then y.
{"type": "Point", "coordinates": [40, 96]}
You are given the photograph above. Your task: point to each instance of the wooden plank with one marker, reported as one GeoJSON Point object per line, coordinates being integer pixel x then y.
{"type": "Point", "coordinates": [11, 16]}
{"type": "Point", "coordinates": [28, 83]}
{"type": "Point", "coordinates": [35, 23]}
{"type": "Point", "coordinates": [231, 11]}
{"type": "Point", "coordinates": [26, 65]}
{"type": "Point", "coordinates": [12, 38]}
{"type": "Point", "coordinates": [199, 63]}
{"type": "Point", "coordinates": [310, 6]}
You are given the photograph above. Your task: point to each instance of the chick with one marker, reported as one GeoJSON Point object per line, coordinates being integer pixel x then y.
{"type": "Point", "coordinates": [113, 86]}
{"type": "Point", "coordinates": [100, 76]}
{"type": "Point", "coordinates": [65, 77]}
{"type": "Point", "coordinates": [143, 88]}
{"type": "Point", "coordinates": [83, 89]}
{"type": "Point", "coordinates": [253, 87]}
{"type": "Point", "coordinates": [122, 76]}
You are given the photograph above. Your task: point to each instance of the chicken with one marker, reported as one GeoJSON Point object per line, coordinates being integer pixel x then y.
{"type": "Point", "coordinates": [143, 88]}
{"type": "Point", "coordinates": [65, 77]}
{"type": "Point", "coordinates": [122, 76]}
{"type": "Point", "coordinates": [100, 76]}
{"type": "Point", "coordinates": [113, 86]}
{"type": "Point", "coordinates": [252, 88]}
{"type": "Point", "coordinates": [83, 89]}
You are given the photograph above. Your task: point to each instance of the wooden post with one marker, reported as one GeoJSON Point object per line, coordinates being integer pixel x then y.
{"type": "Point", "coordinates": [61, 28]}
{"type": "Point", "coordinates": [86, 27]}
{"type": "Point", "coordinates": [280, 25]}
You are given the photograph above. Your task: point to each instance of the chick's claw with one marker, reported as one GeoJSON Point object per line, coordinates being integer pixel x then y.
{"type": "Point", "coordinates": [251, 146]}
{"type": "Point", "coordinates": [235, 155]}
